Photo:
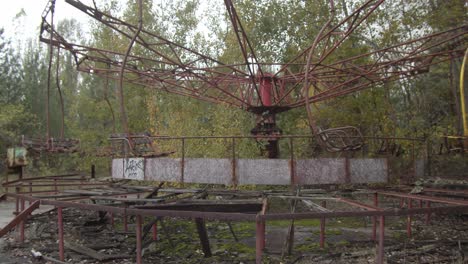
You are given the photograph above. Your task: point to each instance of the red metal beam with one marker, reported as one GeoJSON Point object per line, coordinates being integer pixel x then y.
{"type": "Point", "coordinates": [425, 198]}
{"type": "Point", "coordinates": [358, 204]}
{"type": "Point", "coordinates": [22, 216]}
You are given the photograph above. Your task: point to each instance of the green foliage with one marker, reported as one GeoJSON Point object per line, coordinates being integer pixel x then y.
{"type": "Point", "coordinates": [279, 30]}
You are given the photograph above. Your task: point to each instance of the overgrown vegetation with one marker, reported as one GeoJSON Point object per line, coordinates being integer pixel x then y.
{"type": "Point", "coordinates": [426, 106]}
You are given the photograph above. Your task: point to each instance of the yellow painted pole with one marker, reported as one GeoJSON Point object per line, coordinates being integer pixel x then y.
{"type": "Point", "coordinates": [462, 99]}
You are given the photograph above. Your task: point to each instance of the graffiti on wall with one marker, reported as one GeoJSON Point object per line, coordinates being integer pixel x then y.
{"type": "Point", "coordinates": [134, 169]}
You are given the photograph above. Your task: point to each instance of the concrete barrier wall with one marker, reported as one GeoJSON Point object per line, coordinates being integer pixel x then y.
{"type": "Point", "coordinates": [252, 171]}
{"type": "Point", "coordinates": [321, 171]}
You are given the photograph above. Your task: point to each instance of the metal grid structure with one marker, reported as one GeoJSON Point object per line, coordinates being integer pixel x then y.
{"type": "Point", "coordinates": [119, 200]}
{"type": "Point", "coordinates": [313, 75]}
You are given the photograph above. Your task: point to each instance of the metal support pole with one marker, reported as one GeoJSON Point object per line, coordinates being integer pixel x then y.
{"type": "Point", "coordinates": [347, 169]}
{"type": "Point", "coordinates": [30, 192]}
{"type": "Point", "coordinates": [263, 230]}
{"type": "Point", "coordinates": [374, 218]}
{"type": "Point", "coordinates": [233, 163]}
{"type": "Point", "coordinates": [292, 164]}
{"type": "Point", "coordinates": [138, 239]}
{"type": "Point", "coordinates": [60, 234]}
{"type": "Point", "coordinates": [93, 171]}
{"type": "Point", "coordinates": [17, 190]}
{"type": "Point", "coordinates": [182, 162]}
{"type": "Point", "coordinates": [259, 240]}
{"type": "Point", "coordinates": [413, 159]}
{"type": "Point", "coordinates": [125, 223]}
{"type": "Point", "coordinates": [203, 234]}
{"type": "Point", "coordinates": [409, 218]}
{"type": "Point", "coordinates": [380, 252]}
{"type": "Point", "coordinates": [322, 227]}
{"type": "Point", "coordinates": [21, 238]}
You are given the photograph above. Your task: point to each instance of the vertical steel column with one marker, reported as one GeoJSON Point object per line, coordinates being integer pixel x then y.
{"type": "Point", "coordinates": [263, 227]}
{"type": "Point", "coordinates": [17, 201]}
{"type": "Point", "coordinates": [203, 235]}
{"type": "Point", "coordinates": [125, 223]}
{"type": "Point", "coordinates": [409, 218]}
{"type": "Point", "coordinates": [266, 88]}
{"type": "Point", "coordinates": [60, 234]}
{"type": "Point", "coordinates": [259, 240]}
{"type": "Point", "coordinates": [182, 161]}
{"type": "Point", "coordinates": [93, 171]}
{"type": "Point", "coordinates": [292, 164]}
{"type": "Point", "coordinates": [380, 252]}
{"type": "Point", "coordinates": [374, 218]}
{"type": "Point", "coordinates": [322, 227]}
{"type": "Point", "coordinates": [233, 164]}
{"type": "Point", "coordinates": [347, 168]}
{"type": "Point", "coordinates": [21, 237]}
{"type": "Point", "coordinates": [30, 192]}
{"type": "Point", "coordinates": [138, 239]}
{"type": "Point", "coordinates": [413, 157]}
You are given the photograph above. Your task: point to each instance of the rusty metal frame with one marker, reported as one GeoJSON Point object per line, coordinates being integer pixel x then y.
{"type": "Point", "coordinates": [201, 77]}
{"type": "Point", "coordinates": [358, 209]}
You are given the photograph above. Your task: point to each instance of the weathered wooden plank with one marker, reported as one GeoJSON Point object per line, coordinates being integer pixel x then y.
{"type": "Point", "coordinates": [93, 253]}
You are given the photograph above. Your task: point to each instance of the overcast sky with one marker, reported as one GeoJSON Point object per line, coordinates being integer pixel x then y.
{"type": "Point", "coordinates": [28, 25]}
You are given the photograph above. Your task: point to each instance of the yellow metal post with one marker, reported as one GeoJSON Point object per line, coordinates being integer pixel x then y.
{"type": "Point", "coordinates": [462, 99]}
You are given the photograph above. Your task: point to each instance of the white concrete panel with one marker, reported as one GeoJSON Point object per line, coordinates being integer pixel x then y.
{"type": "Point", "coordinates": [368, 170]}
{"type": "Point", "coordinates": [163, 169]}
{"type": "Point", "coordinates": [214, 171]}
{"type": "Point", "coordinates": [263, 171]}
{"type": "Point", "coordinates": [320, 171]}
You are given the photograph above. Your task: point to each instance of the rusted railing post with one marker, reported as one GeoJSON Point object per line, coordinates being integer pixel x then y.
{"type": "Point", "coordinates": [60, 234]}
{"type": "Point", "coordinates": [182, 161]}
{"type": "Point", "coordinates": [374, 218]}
{"type": "Point", "coordinates": [21, 235]}
{"type": "Point", "coordinates": [93, 171]}
{"type": "Point", "coordinates": [30, 192]}
{"type": "Point", "coordinates": [413, 158]}
{"type": "Point", "coordinates": [259, 239]}
{"type": "Point", "coordinates": [138, 239]}
{"type": "Point", "coordinates": [380, 252]}
{"type": "Point", "coordinates": [17, 203]}
{"type": "Point", "coordinates": [125, 222]}
{"type": "Point", "coordinates": [233, 163]}
{"type": "Point", "coordinates": [347, 168]}
{"type": "Point", "coordinates": [322, 227]}
{"type": "Point", "coordinates": [292, 164]}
